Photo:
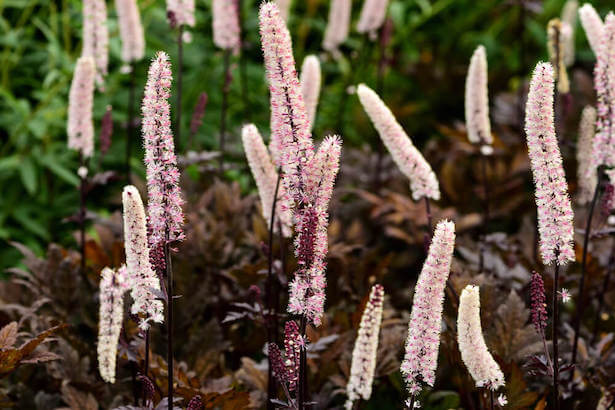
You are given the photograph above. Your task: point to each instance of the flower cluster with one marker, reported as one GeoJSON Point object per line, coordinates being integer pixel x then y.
{"type": "Point", "coordinates": [551, 190]}
{"type": "Point", "coordinates": [96, 37]}
{"type": "Point", "coordinates": [131, 30]}
{"type": "Point", "coordinates": [310, 86]}
{"type": "Point", "coordinates": [558, 34]}
{"type": "Point", "coordinates": [372, 16]}
{"type": "Point", "coordinates": [593, 26]}
{"type": "Point", "coordinates": [477, 100]}
{"type": "Point", "coordinates": [80, 127]}
{"type": "Point", "coordinates": [266, 178]}
{"type": "Point", "coordinates": [285, 366]}
{"type": "Point", "coordinates": [538, 302]}
{"type": "Point", "coordinates": [337, 25]}
{"type": "Point", "coordinates": [164, 205]}
{"type": "Point", "coordinates": [365, 349]}
{"type": "Point", "coordinates": [586, 176]}
{"type": "Point", "coordinates": [484, 369]}
{"type": "Point", "coordinates": [423, 181]}
{"type": "Point", "coordinates": [423, 342]}
{"type": "Point", "coordinates": [143, 277]}
{"type": "Point", "coordinates": [113, 285]}
{"type": "Point", "coordinates": [181, 12]}
{"type": "Point", "coordinates": [226, 24]}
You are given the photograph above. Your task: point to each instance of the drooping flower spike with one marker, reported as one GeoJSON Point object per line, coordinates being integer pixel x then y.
{"type": "Point", "coordinates": [484, 369]}
{"type": "Point", "coordinates": [266, 178]}
{"type": "Point", "coordinates": [226, 24]}
{"type": "Point", "coordinates": [423, 342]}
{"type": "Point", "coordinates": [365, 349]}
{"type": "Point", "coordinates": [593, 26]}
{"type": "Point", "coordinates": [310, 86]}
{"type": "Point", "coordinates": [373, 14]}
{"type": "Point", "coordinates": [131, 30]}
{"type": "Point", "coordinates": [96, 37]}
{"type": "Point", "coordinates": [586, 175]}
{"type": "Point", "coordinates": [337, 25]}
{"type": "Point", "coordinates": [551, 189]}
{"type": "Point", "coordinates": [423, 181]}
{"type": "Point", "coordinates": [164, 204]}
{"type": "Point", "coordinates": [143, 279]}
{"type": "Point", "coordinates": [477, 100]}
{"type": "Point", "coordinates": [113, 285]}
{"type": "Point", "coordinates": [80, 127]}
{"type": "Point", "coordinates": [538, 302]}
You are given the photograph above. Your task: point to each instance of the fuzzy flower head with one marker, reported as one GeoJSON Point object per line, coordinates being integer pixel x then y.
{"type": "Point", "coordinates": [131, 30]}
{"type": "Point", "coordinates": [113, 285]}
{"type": "Point", "coordinates": [538, 302]}
{"type": "Point", "coordinates": [164, 205]}
{"type": "Point", "coordinates": [423, 341]}
{"type": "Point", "coordinates": [266, 178]}
{"type": "Point", "coordinates": [477, 100]}
{"type": "Point", "coordinates": [484, 369]}
{"type": "Point", "coordinates": [310, 86]}
{"type": "Point", "coordinates": [226, 24]}
{"type": "Point", "coordinates": [593, 26]}
{"type": "Point", "coordinates": [423, 181]}
{"type": "Point", "coordinates": [365, 349]}
{"type": "Point", "coordinates": [551, 190]}
{"type": "Point", "coordinates": [372, 16]}
{"type": "Point", "coordinates": [181, 12]}
{"type": "Point", "coordinates": [80, 128]}
{"type": "Point", "coordinates": [338, 24]}
{"type": "Point", "coordinates": [142, 276]}
{"type": "Point", "coordinates": [96, 37]}
{"type": "Point", "coordinates": [558, 34]}
{"type": "Point", "coordinates": [586, 175]}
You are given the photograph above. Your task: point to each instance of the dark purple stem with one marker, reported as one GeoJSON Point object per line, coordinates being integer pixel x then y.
{"type": "Point", "coordinates": [605, 287]}
{"type": "Point", "coordinates": [554, 334]}
{"type": "Point", "coordinates": [169, 271]}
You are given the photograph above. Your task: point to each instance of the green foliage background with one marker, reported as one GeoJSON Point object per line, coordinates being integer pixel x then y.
{"type": "Point", "coordinates": [41, 40]}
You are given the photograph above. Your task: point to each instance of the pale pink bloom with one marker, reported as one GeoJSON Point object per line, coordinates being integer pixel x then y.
{"type": "Point", "coordinates": [477, 100]}
{"type": "Point", "coordinates": [164, 204]}
{"type": "Point", "coordinates": [565, 295]}
{"type": "Point", "coordinates": [310, 86]}
{"type": "Point", "coordinates": [266, 178]}
{"type": "Point", "coordinates": [113, 285]}
{"type": "Point", "coordinates": [284, 6]}
{"type": "Point", "coordinates": [502, 400]}
{"type": "Point", "coordinates": [551, 190]}
{"type": "Point", "coordinates": [131, 30]}
{"type": "Point", "coordinates": [365, 349]}
{"type": "Point", "coordinates": [484, 369]}
{"type": "Point", "coordinates": [226, 24]}
{"type": "Point", "coordinates": [423, 181]}
{"type": "Point", "coordinates": [182, 12]}
{"type": "Point", "coordinates": [423, 342]}
{"type": "Point", "coordinates": [569, 18]}
{"type": "Point", "coordinates": [373, 14]}
{"type": "Point", "coordinates": [80, 127]}
{"type": "Point", "coordinates": [593, 26]}
{"type": "Point", "coordinates": [338, 24]}
{"type": "Point", "coordinates": [142, 277]}
{"type": "Point", "coordinates": [96, 37]}
{"type": "Point", "coordinates": [586, 178]}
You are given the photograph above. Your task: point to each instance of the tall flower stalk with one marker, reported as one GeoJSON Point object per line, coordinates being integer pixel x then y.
{"type": "Point", "coordinates": [337, 25]}
{"type": "Point", "coordinates": [310, 86]}
{"type": "Point", "coordinates": [551, 190]}
{"type": "Point", "coordinates": [96, 37]}
{"type": "Point", "coordinates": [373, 14]}
{"type": "Point", "coordinates": [585, 178]}
{"type": "Point", "coordinates": [538, 305]}
{"type": "Point", "coordinates": [164, 203]}
{"type": "Point", "coordinates": [423, 341]}
{"type": "Point", "coordinates": [593, 26]}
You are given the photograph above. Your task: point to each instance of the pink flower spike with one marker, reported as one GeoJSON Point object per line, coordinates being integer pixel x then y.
{"type": "Point", "coordinates": [131, 30]}
{"type": "Point", "coordinates": [586, 175]}
{"type": "Point", "coordinates": [182, 12]}
{"type": "Point", "coordinates": [372, 16]}
{"type": "Point", "coordinates": [423, 181]}
{"type": "Point", "coordinates": [593, 26]}
{"type": "Point", "coordinates": [226, 24]}
{"type": "Point", "coordinates": [337, 25]}
{"type": "Point", "coordinates": [551, 190]}
{"type": "Point", "coordinates": [310, 86]}
{"type": "Point", "coordinates": [80, 128]}
{"type": "Point", "coordinates": [423, 342]}
{"type": "Point", "coordinates": [477, 100]}
{"type": "Point", "coordinates": [164, 205]}
{"type": "Point", "coordinates": [96, 37]}
{"type": "Point", "coordinates": [284, 7]}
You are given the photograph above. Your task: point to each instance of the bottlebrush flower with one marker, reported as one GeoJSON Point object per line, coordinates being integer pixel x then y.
{"type": "Point", "coordinates": [293, 343]}
{"type": "Point", "coordinates": [131, 30]}
{"type": "Point", "coordinates": [557, 35]}
{"type": "Point", "coordinates": [310, 86]}
{"type": "Point", "coordinates": [338, 24]}
{"type": "Point", "coordinates": [593, 26]}
{"type": "Point", "coordinates": [143, 278]}
{"type": "Point", "coordinates": [96, 37]}
{"type": "Point", "coordinates": [423, 182]}
{"type": "Point", "coordinates": [585, 177]}
{"type": "Point", "coordinates": [226, 24]}
{"type": "Point", "coordinates": [569, 17]}
{"type": "Point", "coordinates": [554, 209]}
{"type": "Point", "coordinates": [181, 12]}
{"type": "Point", "coordinates": [423, 342]}
{"type": "Point", "coordinates": [284, 7]}
{"type": "Point", "coordinates": [538, 302]}
{"type": "Point", "coordinates": [266, 178]}
{"type": "Point", "coordinates": [477, 100]}
{"type": "Point", "coordinates": [277, 363]}
{"type": "Point", "coordinates": [113, 284]}
{"type": "Point", "coordinates": [164, 205]}
{"type": "Point", "coordinates": [484, 369]}
{"type": "Point", "coordinates": [80, 128]}
{"type": "Point", "coordinates": [372, 16]}
{"type": "Point", "coordinates": [365, 349]}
